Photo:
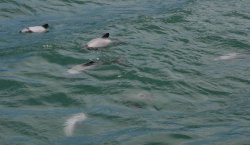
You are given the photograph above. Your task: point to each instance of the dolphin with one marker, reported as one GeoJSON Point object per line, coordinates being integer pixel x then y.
{"type": "Point", "coordinates": [35, 29]}
{"type": "Point", "coordinates": [77, 69]}
{"type": "Point", "coordinates": [228, 56]}
{"type": "Point", "coordinates": [99, 42]}
{"type": "Point", "coordinates": [72, 121]}
{"type": "Point", "coordinates": [81, 67]}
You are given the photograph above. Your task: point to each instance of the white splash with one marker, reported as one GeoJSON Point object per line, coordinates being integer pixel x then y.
{"type": "Point", "coordinates": [71, 123]}
{"type": "Point", "coordinates": [228, 56]}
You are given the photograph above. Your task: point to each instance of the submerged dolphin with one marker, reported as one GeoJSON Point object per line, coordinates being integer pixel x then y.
{"type": "Point", "coordinates": [35, 29]}
{"type": "Point", "coordinates": [228, 56]}
{"type": "Point", "coordinates": [99, 42]}
{"type": "Point", "coordinates": [71, 123]}
{"type": "Point", "coordinates": [91, 64]}
{"type": "Point", "coordinates": [81, 67]}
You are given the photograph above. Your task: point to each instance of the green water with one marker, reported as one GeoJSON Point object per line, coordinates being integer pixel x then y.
{"type": "Point", "coordinates": [184, 75]}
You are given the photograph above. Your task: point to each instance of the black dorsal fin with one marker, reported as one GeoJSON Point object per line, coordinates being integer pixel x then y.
{"type": "Point", "coordinates": [45, 26]}
{"type": "Point", "coordinates": [89, 63]}
{"type": "Point", "coordinates": [105, 35]}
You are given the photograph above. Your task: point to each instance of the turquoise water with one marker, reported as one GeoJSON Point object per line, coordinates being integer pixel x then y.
{"type": "Point", "coordinates": [183, 76]}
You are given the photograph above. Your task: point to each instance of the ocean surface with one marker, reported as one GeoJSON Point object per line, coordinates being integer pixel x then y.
{"type": "Point", "coordinates": [177, 73]}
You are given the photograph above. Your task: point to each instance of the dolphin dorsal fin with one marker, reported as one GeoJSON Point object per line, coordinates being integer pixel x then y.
{"type": "Point", "coordinates": [106, 35]}
{"type": "Point", "coordinates": [89, 63]}
{"type": "Point", "coordinates": [45, 26]}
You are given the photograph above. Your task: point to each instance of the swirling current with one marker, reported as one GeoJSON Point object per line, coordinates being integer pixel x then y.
{"type": "Point", "coordinates": [176, 72]}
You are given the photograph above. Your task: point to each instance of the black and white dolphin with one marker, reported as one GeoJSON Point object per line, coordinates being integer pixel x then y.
{"type": "Point", "coordinates": [99, 42]}
{"type": "Point", "coordinates": [81, 67]}
{"type": "Point", "coordinates": [77, 69]}
{"type": "Point", "coordinates": [35, 29]}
